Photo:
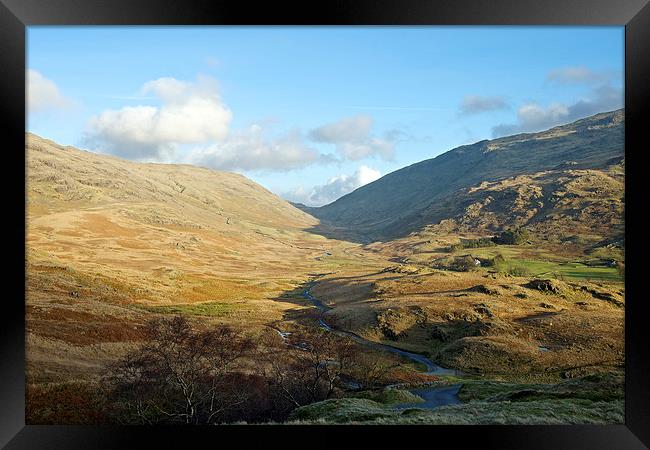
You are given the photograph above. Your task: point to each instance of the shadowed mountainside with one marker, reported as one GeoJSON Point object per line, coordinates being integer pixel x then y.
{"type": "Point", "coordinates": [440, 188]}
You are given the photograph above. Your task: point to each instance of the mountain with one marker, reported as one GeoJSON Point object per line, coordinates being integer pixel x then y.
{"type": "Point", "coordinates": [128, 220]}
{"type": "Point", "coordinates": [111, 241]}
{"type": "Point", "coordinates": [65, 178]}
{"type": "Point", "coordinates": [444, 187]}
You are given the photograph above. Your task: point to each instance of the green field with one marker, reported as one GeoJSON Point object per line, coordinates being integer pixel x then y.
{"type": "Point", "coordinates": [211, 309]}
{"type": "Point", "coordinates": [538, 262]}
{"type": "Point", "coordinates": [561, 270]}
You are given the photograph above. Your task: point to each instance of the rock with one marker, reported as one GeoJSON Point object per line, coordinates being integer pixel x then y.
{"type": "Point", "coordinates": [493, 326]}
{"type": "Point", "coordinates": [484, 310]}
{"type": "Point", "coordinates": [462, 316]}
{"type": "Point", "coordinates": [483, 289]}
{"type": "Point", "coordinates": [551, 286]}
{"type": "Point", "coordinates": [389, 333]}
{"type": "Point", "coordinates": [546, 305]}
{"type": "Point", "coordinates": [439, 334]}
{"type": "Point", "coordinates": [395, 323]}
{"type": "Point", "coordinates": [602, 295]}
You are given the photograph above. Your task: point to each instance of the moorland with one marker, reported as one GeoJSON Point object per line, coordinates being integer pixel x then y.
{"type": "Point", "coordinates": [485, 285]}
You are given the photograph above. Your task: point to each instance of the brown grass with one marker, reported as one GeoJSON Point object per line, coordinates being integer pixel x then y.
{"type": "Point", "coordinates": [111, 243]}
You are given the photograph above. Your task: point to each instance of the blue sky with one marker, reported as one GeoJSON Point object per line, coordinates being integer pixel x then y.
{"type": "Point", "coordinates": [311, 113]}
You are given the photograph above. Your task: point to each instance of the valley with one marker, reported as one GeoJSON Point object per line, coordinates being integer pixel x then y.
{"type": "Point", "coordinates": [493, 274]}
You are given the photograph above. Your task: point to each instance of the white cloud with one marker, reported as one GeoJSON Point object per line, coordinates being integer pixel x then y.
{"type": "Point", "coordinates": [43, 94]}
{"type": "Point", "coordinates": [476, 104]}
{"type": "Point", "coordinates": [249, 150]}
{"type": "Point", "coordinates": [335, 187]}
{"type": "Point", "coordinates": [352, 129]}
{"type": "Point", "coordinates": [365, 175]}
{"type": "Point", "coordinates": [191, 116]}
{"type": "Point", "coordinates": [189, 113]}
{"type": "Point", "coordinates": [577, 75]}
{"type": "Point", "coordinates": [533, 117]}
{"type": "Point", "coordinates": [353, 140]}
{"type": "Point", "coordinates": [374, 146]}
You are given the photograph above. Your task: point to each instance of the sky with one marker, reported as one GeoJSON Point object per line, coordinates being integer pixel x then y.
{"type": "Point", "coordinates": [312, 113]}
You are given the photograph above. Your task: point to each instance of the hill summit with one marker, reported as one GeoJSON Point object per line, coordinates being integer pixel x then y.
{"type": "Point", "coordinates": [515, 178]}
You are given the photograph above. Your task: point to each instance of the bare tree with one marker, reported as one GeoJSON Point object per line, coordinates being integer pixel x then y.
{"type": "Point", "coordinates": [179, 375]}
{"type": "Point", "coordinates": [370, 370]}
{"type": "Point", "coordinates": [307, 368]}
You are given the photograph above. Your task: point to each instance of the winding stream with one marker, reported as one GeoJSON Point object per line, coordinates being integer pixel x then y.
{"type": "Point", "coordinates": [433, 396]}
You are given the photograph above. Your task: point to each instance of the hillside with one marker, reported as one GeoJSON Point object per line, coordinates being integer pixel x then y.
{"type": "Point", "coordinates": [65, 178]}
{"type": "Point", "coordinates": [111, 241]}
{"type": "Point", "coordinates": [520, 175]}
{"type": "Point", "coordinates": [113, 244]}
{"type": "Point", "coordinates": [129, 220]}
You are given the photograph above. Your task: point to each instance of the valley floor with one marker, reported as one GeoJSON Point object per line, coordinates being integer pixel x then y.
{"type": "Point", "coordinates": [526, 351]}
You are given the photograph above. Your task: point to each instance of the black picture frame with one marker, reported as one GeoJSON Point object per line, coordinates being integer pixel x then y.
{"type": "Point", "coordinates": [15, 15]}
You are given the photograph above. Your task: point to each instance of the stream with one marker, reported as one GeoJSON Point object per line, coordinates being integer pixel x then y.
{"type": "Point", "coordinates": [433, 396]}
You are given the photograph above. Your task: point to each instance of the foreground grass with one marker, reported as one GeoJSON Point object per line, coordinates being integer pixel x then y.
{"type": "Point", "coordinates": [541, 412]}
{"type": "Point", "coordinates": [595, 399]}
{"type": "Point", "coordinates": [390, 396]}
{"type": "Point", "coordinates": [596, 387]}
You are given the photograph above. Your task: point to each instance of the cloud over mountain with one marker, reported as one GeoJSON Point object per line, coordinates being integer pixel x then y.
{"type": "Point", "coordinates": [601, 96]}
{"type": "Point", "coordinates": [250, 150]}
{"type": "Point", "coordinates": [353, 139]}
{"type": "Point", "coordinates": [335, 187]}
{"type": "Point", "coordinates": [190, 123]}
{"type": "Point", "coordinates": [188, 113]}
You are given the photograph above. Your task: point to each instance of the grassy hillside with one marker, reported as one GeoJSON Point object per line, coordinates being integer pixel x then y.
{"type": "Point", "coordinates": [111, 242]}
{"type": "Point", "coordinates": [535, 325]}
{"type": "Point", "coordinates": [443, 187]}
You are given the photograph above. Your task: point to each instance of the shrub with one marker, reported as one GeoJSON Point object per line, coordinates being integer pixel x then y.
{"type": "Point", "coordinates": [309, 374]}
{"type": "Point", "coordinates": [472, 243]}
{"type": "Point", "coordinates": [620, 267]}
{"type": "Point", "coordinates": [456, 247]}
{"type": "Point", "coordinates": [64, 403]}
{"type": "Point", "coordinates": [498, 260]}
{"type": "Point", "coordinates": [513, 237]}
{"type": "Point", "coordinates": [196, 377]}
{"type": "Point", "coordinates": [518, 271]}
{"type": "Point", "coordinates": [463, 264]}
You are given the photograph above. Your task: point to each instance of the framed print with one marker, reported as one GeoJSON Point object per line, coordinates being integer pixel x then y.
{"type": "Point", "coordinates": [261, 222]}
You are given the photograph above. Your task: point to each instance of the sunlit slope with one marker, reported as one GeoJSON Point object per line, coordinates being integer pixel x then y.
{"type": "Point", "coordinates": [112, 243]}
{"type": "Point", "coordinates": [65, 178]}
{"type": "Point", "coordinates": [159, 232]}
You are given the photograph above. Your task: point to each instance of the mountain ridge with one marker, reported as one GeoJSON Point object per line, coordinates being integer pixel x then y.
{"type": "Point", "coordinates": [404, 200]}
